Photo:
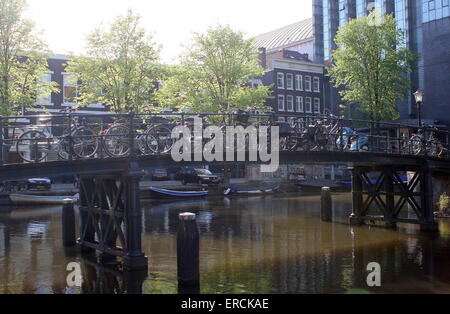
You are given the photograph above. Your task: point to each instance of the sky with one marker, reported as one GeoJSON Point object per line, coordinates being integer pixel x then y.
{"type": "Point", "coordinates": [65, 23]}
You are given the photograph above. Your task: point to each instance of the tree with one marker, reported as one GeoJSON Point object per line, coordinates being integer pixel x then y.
{"type": "Point", "coordinates": [372, 64]}
{"type": "Point", "coordinates": [214, 73]}
{"type": "Point", "coordinates": [23, 61]}
{"type": "Point", "coordinates": [121, 67]}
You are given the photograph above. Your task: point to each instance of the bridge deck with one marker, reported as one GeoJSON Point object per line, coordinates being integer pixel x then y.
{"type": "Point", "coordinates": [111, 165]}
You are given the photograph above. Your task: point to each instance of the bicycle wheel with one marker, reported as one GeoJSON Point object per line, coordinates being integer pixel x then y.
{"type": "Point", "coordinates": [415, 144]}
{"type": "Point", "coordinates": [64, 148]}
{"type": "Point", "coordinates": [33, 146]}
{"type": "Point", "coordinates": [85, 142]}
{"type": "Point", "coordinates": [159, 139]}
{"type": "Point", "coordinates": [116, 141]}
{"type": "Point", "coordinates": [434, 148]}
{"type": "Point", "coordinates": [141, 144]}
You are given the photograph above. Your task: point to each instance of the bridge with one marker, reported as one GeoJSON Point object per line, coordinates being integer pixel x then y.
{"type": "Point", "coordinates": [108, 153]}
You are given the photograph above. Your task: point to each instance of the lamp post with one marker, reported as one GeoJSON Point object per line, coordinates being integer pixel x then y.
{"type": "Point", "coordinates": [419, 97]}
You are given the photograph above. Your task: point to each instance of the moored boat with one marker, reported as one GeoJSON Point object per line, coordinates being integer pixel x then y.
{"type": "Point", "coordinates": [249, 191]}
{"type": "Point", "coordinates": [25, 199]}
{"type": "Point", "coordinates": [163, 193]}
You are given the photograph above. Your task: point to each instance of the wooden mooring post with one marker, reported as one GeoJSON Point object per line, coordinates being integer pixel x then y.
{"type": "Point", "coordinates": [68, 223]}
{"type": "Point", "coordinates": [326, 205]}
{"type": "Point", "coordinates": [188, 254]}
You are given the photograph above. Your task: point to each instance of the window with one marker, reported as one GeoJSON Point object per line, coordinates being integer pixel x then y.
{"type": "Point", "coordinates": [308, 83]}
{"type": "Point", "coordinates": [290, 103]}
{"type": "Point", "coordinates": [70, 92]}
{"type": "Point", "coordinates": [299, 82]}
{"type": "Point", "coordinates": [431, 5]}
{"type": "Point", "coordinates": [308, 104]}
{"type": "Point", "coordinates": [280, 102]}
{"type": "Point", "coordinates": [289, 81]}
{"type": "Point", "coordinates": [281, 119]}
{"type": "Point", "coordinates": [316, 105]}
{"type": "Point", "coordinates": [280, 80]}
{"type": "Point", "coordinates": [299, 103]}
{"type": "Point", "coordinates": [255, 83]}
{"type": "Point", "coordinates": [44, 99]}
{"type": "Point", "coordinates": [316, 86]}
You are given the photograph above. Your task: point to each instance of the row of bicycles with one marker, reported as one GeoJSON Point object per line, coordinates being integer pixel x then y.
{"type": "Point", "coordinates": [143, 135]}
{"type": "Point", "coordinates": [82, 139]}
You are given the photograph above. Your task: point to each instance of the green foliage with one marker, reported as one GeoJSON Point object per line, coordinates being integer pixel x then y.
{"type": "Point", "coordinates": [372, 64]}
{"type": "Point", "coordinates": [444, 201]}
{"type": "Point", "coordinates": [213, 74]}
{"type": "Point", "coordinates": [23, 61]}
{"type": "Point", "coordinates": [121, 67]}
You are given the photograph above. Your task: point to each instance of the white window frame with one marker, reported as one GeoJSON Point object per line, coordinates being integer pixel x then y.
{"type": "Point", "coordinates": [316, 102]}
{"type": "Point", "coordinates": [307, 80]}
{"type": "Point", "coordinates": [278, 102]}
{"type": "Point", "coordinates": [48, 102]}
{"type": "Point", "coordinates": [64, 103]}
{"type": "Point", "coordinates": [299, 82]}
{"type": "Point", "coordinates": [316, 83]}
{"type": "Point", "coordinates": [306, 105]}
{"type": "Point", "coordinates": [289, 78]}
{"type": "Point", "coordinates": [290, 99]}
{"type": "Point", "coordinates": [280, 75]}
{"type": "Point", "coordinates": [299, 104]}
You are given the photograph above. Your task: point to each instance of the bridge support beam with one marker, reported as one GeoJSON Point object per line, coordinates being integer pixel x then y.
{"type": "Point", "coordinates": [381, 193]}
{"type": "Point", "coordinates": [110, 218]}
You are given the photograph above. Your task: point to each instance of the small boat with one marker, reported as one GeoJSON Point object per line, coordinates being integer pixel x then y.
{"type": "Point", "coordinates": [233, 190]}
{"type": "Point", "coordinates": [163, 193]}
{"type": "Point", "coordinates": [317, 184]}
{"type": "Point", "coordinates": [24, 199]}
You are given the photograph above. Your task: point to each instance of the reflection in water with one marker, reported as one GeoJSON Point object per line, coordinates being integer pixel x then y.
{"type": "Point", "coordinates": [275, 244]}
{"type": "Point", "coordinates": [109, 279]}
{"type": "Point", "coordinates": [36, 230]}
{"type": "Point", "coordinates": [3, 240]}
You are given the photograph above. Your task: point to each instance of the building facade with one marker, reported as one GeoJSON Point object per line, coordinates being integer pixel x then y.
{"type": "Point", "coordinates": [426, 24]}
{"type": "Point", "coordinates": [297, 84]}
{"type": "Point", "coordinates": [65, 98]}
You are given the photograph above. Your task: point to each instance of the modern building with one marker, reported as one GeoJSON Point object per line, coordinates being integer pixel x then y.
{"type": "Point", "coordinates": [426, 24]}
{"type": "Point", "coordinates": [296, 37]}
{"type": "Point", "coordinates": [297, 82]}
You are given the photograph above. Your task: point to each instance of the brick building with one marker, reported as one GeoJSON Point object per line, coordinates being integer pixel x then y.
{"type": "Point", "coordinates": [297, 81]}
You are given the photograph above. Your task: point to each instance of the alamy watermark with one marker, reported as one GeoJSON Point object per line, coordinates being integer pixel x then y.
{"type": "Point", "coordinates": [214, 143]}
{"type": "Point", "coordinates": [74, 278]}
{"type": "Point", "coordinates": [374, 277]}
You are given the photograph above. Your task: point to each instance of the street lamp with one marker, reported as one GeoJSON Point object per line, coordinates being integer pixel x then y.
{"type": "Point", "coordinates": [419, 97]}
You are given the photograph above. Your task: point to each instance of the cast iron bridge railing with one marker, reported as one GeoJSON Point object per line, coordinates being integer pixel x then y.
{"type": "Point", "coordinates": [72, 136]}
{"type": "Point", "coordinates": [107, 152]}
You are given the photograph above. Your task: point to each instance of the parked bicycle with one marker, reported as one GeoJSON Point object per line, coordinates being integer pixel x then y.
{"type": "Point", "coordinates": [152, 139]}
{"type": "Point", "coordinates": [420, 144]}
{"type": "Point", "coordinates": [77, 140]}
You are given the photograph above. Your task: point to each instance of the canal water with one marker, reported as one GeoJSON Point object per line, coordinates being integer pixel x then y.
{"type": "Point", "coordinates": [275, 244]}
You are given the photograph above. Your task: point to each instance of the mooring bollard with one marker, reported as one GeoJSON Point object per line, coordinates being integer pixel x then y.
{"type": "Point", "coordinates": [188, 251]}
{"type": "Point", "coordinates": [68, 223]}
{"type": "Point", "coordinates": [326, 204]}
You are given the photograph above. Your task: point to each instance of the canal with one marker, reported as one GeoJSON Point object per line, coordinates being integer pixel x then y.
{"type": "Point", "coordinates": [274, 244]}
